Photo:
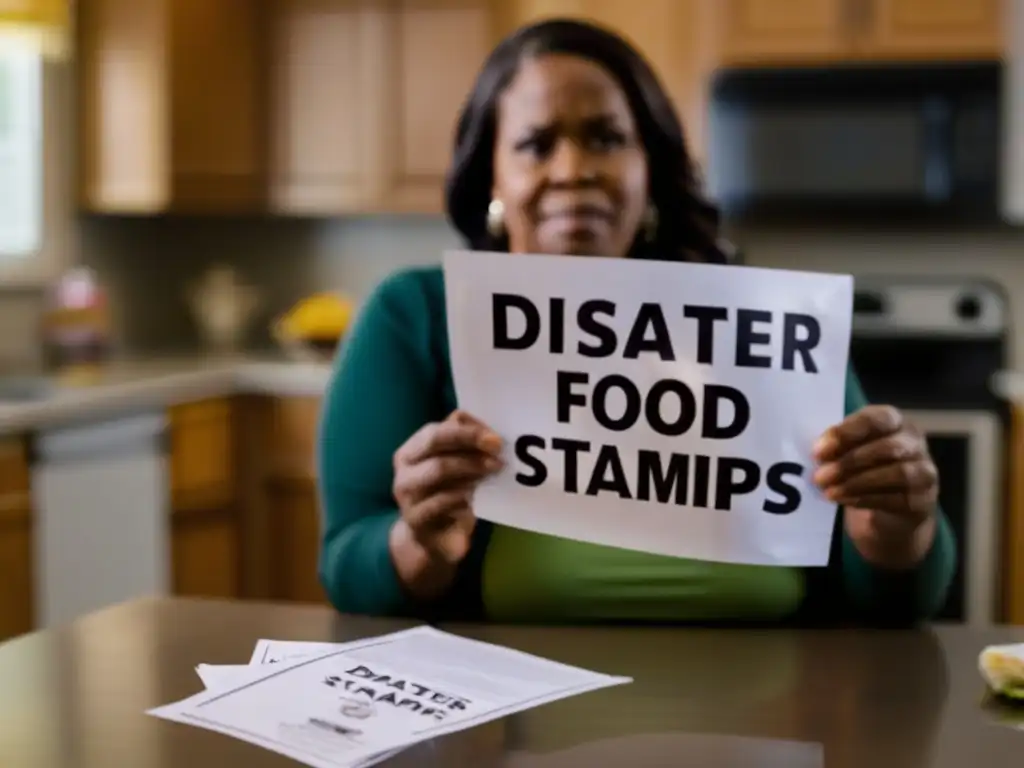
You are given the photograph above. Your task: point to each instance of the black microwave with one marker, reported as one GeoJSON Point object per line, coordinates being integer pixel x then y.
{"type": "Point", "coordinates": [872, 140]}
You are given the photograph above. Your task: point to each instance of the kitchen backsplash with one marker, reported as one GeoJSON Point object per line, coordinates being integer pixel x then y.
{"type": "Point", "coordinates": [148, 264]}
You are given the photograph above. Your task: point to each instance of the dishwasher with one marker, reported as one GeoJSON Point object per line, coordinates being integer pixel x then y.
{"type": "Point", "coordinates": [101, 497]}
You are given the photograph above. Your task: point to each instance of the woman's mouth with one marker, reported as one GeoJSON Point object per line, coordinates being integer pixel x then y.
{"type": "Point", "coordinates": [579, 220]}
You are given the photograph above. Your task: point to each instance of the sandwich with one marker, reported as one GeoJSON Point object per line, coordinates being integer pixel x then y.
{"type": "Point", "coordinates": [1002, 666]}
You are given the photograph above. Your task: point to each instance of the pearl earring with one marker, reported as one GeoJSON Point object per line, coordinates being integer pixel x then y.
{"type": "Point", "coordinates": [496, 218]}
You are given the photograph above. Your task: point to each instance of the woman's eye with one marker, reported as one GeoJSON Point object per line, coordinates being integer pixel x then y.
{"type": "Point", "coordinates": [609, 139]}
{"type": "Point", "coordinates": [537, 145]}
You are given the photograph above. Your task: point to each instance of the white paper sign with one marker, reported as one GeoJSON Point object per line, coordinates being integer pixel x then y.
{"type": "Point", "coordinates": [656, 406]}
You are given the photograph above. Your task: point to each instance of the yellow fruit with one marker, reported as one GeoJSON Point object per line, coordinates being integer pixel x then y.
{"type": "Point", "coordinates": [321, 316]}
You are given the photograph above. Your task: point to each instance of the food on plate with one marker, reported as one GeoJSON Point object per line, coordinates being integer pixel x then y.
{"type": "Point", "coordinates": [1002, 666]}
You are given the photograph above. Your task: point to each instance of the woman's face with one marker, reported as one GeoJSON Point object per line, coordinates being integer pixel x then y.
{"type": "Point", "coordinates": [569, 167]}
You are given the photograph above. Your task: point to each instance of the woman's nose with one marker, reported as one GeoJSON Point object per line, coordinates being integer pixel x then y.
{"type": "Point", "coordinates": [570, 163]}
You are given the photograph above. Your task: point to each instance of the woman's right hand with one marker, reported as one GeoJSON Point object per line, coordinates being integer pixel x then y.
{"type": "Point", "coordinates": [436, 472]}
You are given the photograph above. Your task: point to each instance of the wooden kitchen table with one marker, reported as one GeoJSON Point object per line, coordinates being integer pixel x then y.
{"type": "Point", "coordinates": [74, 697]}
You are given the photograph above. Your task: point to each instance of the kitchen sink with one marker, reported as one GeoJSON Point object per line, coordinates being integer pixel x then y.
{"type": "Point", "coordinates": [22, 389]}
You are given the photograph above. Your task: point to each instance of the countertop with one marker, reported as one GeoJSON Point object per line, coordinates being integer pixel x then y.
{"type": "Point", "coordinates": [160, 383]}
{"type": "Point", "coordinates": [75, 696]}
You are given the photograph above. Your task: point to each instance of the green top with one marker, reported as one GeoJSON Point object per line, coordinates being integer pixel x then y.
{"type": "Point", "coordinates": [393, 377]}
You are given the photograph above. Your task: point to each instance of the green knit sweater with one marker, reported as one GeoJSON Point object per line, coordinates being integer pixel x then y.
{"type": "Point", "coordinates": [393, 377]}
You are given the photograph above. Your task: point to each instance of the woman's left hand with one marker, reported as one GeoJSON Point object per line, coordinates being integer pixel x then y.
{"type": "Point", "coordinates": [876, 465]}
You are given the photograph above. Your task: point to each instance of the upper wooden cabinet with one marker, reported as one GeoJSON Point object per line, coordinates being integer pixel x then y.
{"type": "Point", "coordinates": [364, 100]}
{"type": "Point", "coordinates": [328, 107]}
{"type": "Point", "coordinates": [933, 29]}
{"type": "Point", "coordinates": [171, 105]}
{"type": "Point", "coordinates": [320, 96]}
{"type": "Point", "coordinates": [787, 31]}
{"type": "Point", "coordinates": [768, 32]}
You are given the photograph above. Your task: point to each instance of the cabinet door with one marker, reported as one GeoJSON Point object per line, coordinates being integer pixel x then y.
{"type": "Point", "coordinates": [171, 107]}
{"type": "Point", "coordinates": [322, 96]}
{"type": "Point", "coordinates": [431, 53]}
{"type": "Point", "coordinates": [933, 29]}
{"type": "Point", "coordinates": [205, 515]}
{"type": "Point", "coordinates": [518, 13]}
{"type": "Point", "coordinates": [123, 106]}
{"type": "Point", "coordinates": [16, 544]}
{"type": "Point", "coordinates": [1013, 534]}
{"type": "Point", "coordinates": [217, 105]}
{"type": "Point", "coordinates": [769, 32]}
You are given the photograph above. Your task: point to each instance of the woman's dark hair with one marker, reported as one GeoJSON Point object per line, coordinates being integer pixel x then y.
{"type": "Point", "coordinates": [687, 227]}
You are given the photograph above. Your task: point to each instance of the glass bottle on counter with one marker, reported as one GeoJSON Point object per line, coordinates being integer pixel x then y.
{"type": "Point", "coordinates": [77, 327]}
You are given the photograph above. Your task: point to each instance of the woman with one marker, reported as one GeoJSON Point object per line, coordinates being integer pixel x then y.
{"type": "Point", "coordinates": [569, 145]}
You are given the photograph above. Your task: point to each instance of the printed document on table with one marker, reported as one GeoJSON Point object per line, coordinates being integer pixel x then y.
{"type": "Point", "coordinates": [350, 706]}
{"type": "Point", "coordinates": [216, 676]}
{"type": "Point", "coordinates": [265, 652]}
{"type": "Point", "coordinates": [220, 676]}
{"type": "Point", "coordinates": [277, 651]}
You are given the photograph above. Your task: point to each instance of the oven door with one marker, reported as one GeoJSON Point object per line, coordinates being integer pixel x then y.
{"type": "Point", "coordinates": [967, 447]}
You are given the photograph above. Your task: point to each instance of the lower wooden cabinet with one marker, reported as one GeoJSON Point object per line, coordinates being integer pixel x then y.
{"type": "Point", "coordinates": [292, 500]}
{"type": "Point", "coordinates": [1013, 554]}
{"type": "Point", "coordinates": [295, 531]}
{"type": "Point", "coordinates": [246, 522]}
{"type": "Point", "coordinates": [205, 556]}
{"type": "Point", "coordinates": [205, 513]}
{"type": "Point", "coordinates": [16, 559]}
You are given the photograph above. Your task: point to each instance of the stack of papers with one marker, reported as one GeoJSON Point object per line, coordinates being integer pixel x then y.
{"type": "Point", "coordinates": [335, 705]}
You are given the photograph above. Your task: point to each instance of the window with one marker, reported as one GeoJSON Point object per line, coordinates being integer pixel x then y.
{"type": "Point", "coordinates": [21, 147]}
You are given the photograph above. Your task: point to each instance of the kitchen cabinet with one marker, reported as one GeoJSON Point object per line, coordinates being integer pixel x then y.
{"type": "Point", "coordinates": [933, 29]}
{"type": "Point", "coordinates": [1013, 554]}
{"type": "Point", "coordinates": [245, 520]}
{"type": "Point", "coordinates": [333, 107]}
{"type": "Point", "coordinates": [669, 34]}
{"type": "Point", "coordinates": [292, 498]}
{"type": "Point", "coordinates": [205, 514]}
{"type": "Point", "coordinates": [321, 92]}
{"type": "Point", "coordinates": [16, 552]}
{"type": "Point", "coordinates": [171, 106]}
{"type": "Point", "coordinates": [797, 32]}
{"type": "Point", "coordinates": [364, 98]}
{"type": "Point", "coordinates": [759, 32]}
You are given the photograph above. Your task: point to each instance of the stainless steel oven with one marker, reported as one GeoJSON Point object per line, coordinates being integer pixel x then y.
{"type": "Point", "coordinates": [967, 447]}
{"type": "Point", "coordinates": [930, 348]}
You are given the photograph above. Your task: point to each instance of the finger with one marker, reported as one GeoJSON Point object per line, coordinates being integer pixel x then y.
{"type": "Point", "coordinates": [886, 524]}
{"type": "Point", "coordinates": [491, 438]}
{"type": "Point", "coordinates": [437, 510]}
{"type": "Point", "coordinates": [448, 436]}
{"type": "Point", "coordinates": [912, 507]}
{"type": "Point", "coordinates": [869, 423]}
{"type": "Point", "coordinates": [900, 477]}
{"type": "Point", "coordinates": [464, 417]}
{"type": "Point", "coordinates": [453, 542]}
{"type": "Point", "coordinates": [417, 481]}
{"type": "Point", "coordinates": [903, 446]}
